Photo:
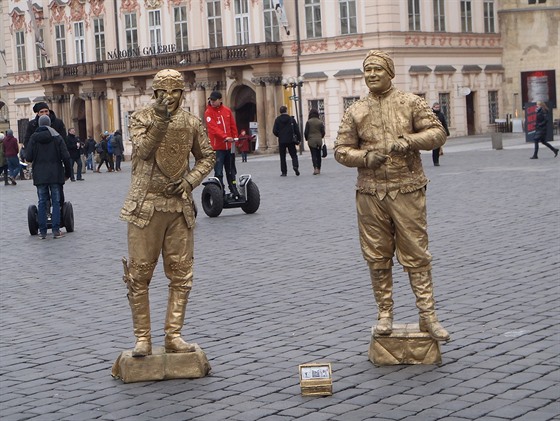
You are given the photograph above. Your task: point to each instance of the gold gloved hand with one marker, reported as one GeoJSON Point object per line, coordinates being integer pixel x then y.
{"type": "Point", "coordinates": [178, 187]}
{"type": "Point", "coordinates": [400, 145]}
{"type": "Point", "coordinates": [160, 106]}
{"type": "Point", "coordinates": [374, 160]}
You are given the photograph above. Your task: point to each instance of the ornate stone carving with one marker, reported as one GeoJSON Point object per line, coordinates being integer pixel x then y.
{"type": "Point", "coordinates": [152, 4]}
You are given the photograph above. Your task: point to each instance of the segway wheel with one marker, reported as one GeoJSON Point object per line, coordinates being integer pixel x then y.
{"type": "Point", "coordinates": [253, 198]}
{"type": "Point", "coordinates": [33, 219]}
{"type": "Point", "coordinates": [68, 216]}
{"type": "Point", "coordinates": [212, 200]}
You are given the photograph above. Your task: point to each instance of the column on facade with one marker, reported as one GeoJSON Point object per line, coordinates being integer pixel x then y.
{"type": "Point", "coordinates": [89, 114]}
{"type": "Point", "coordinates": [96, 117]}
{"type": "Point", "coordinates": [261, 116]}
{"type": "Point", "coordinates": [270, 115]}
{"type": "Point", "coordinates": [200, 100]}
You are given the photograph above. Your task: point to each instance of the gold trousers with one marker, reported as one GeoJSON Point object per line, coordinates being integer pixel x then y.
{"type": "Point", "coordinates": [166, 234]}
{"type": "Point", "coordinates": [394, 225]}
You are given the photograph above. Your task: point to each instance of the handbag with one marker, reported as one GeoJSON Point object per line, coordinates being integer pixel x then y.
{"type": "Point", "coordinates": [295, 139]}
{"type": "Point", "coordinates": [324, 150]}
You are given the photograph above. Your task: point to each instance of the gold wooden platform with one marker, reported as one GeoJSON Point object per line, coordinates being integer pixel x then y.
{"type": "Point", "coordinates": [161, 366]}
{"type": "Point", "coordinates": [406, 345]}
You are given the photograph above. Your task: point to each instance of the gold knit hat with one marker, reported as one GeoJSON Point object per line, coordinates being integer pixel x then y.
{"type": "Point", "coordinates": [382, 59]}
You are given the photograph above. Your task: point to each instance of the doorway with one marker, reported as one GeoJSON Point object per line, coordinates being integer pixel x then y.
{"type": "Point", "coordinates": [245, 107]}
{"type": "Point", "coordinates": [471, 126]}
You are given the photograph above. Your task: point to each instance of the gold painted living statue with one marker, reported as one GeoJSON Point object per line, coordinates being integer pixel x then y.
{"type": "Point", "coordinates": [159, 207]}
{"type": "Point", "coordinates": [382, 136]}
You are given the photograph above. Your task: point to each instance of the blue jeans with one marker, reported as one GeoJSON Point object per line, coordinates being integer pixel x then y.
{"type": "Point", "coordinates": [225, 159]}
{"type": "Point", "coordinates": [46, 192]}
{"type": "Point", "coordinates": [89, 161]}
{"type": "Point", "coordinates": [14, 167]}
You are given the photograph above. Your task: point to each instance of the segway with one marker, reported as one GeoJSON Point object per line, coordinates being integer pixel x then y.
{"type": "Point", "coordinates": [66, 216]}
{"type": "Point", "coordinates": [214, 198]}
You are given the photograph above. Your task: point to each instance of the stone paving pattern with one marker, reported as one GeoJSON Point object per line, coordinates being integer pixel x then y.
{"type": "Point", "coordinates": [287, 286]}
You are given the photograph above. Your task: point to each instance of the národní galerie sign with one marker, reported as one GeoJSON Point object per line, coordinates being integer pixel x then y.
{"type": "Point", "coordinates": [138, 52]}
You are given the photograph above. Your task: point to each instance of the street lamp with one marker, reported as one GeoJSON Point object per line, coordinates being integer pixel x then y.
{"type": "Point", "coordinates": [295, 83]}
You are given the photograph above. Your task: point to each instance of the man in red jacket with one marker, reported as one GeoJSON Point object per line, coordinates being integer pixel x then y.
{"type": "Point", "coordinates": [221, 131]}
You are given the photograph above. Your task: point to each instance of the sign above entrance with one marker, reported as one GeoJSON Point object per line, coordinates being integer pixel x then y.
{"type": "Point", "coordinates": [146, 51]}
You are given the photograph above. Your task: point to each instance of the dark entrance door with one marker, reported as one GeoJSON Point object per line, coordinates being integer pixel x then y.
{"type": "Point", "coordinates": [471, 126]}
{"type": "Point", "coordinates": [245, 107]}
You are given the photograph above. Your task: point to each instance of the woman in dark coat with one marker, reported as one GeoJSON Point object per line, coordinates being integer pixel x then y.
{"type": "Point", "coordinates": [314, 133]}
{"type": "Point", "coordinates": [541, 130]}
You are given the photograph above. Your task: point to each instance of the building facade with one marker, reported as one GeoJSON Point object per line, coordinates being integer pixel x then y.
{"type": "Point", "coordinates": [93, 60]}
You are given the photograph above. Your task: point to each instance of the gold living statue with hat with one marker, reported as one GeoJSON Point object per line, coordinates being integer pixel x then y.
{"type": "Point", "coordinates": [382, 136]}
{"type": "Point", "coordinates": [159, 207]}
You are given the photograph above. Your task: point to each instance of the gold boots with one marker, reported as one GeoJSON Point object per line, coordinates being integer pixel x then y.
{"type": "Point", "coordinates": [421, 283]}
{"type": "Point", "coordinates": [174, 320]}
{"type": "Point", "coordinates": [382, 283]}
{"type": "Point", "coordinates": [140, 306]}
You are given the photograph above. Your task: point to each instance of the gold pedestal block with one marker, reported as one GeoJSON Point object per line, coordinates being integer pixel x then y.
{"type": "Point", "coordinates": [406, 345]}
{"type": "Point", "coordinates": [161, 366]}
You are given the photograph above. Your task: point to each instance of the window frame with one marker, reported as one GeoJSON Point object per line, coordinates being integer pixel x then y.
{"type": "Point", "coordinates": [214, 21]}
{"type": "Point", "coordinates": [241, 18]}
{"type": "Point", "coordinates": [60, 42]}
{"type": "Point", "coordinates": [80, 41]}
{"type": "Point", "coordinates": [181, 26]}
{"type": "Point", "coordinates": [348, 22]}
{"type": "Point", "coordinates": [414, 17]}
{"type": "Point", "coordinates": [313, 23]}
{"type": "Point", "coordinates": [99, 38]}
{"type": "Point", "coordinates": [271, 24]}
{"type": "Point", "coordinates": [131, 31]}
{"type": "Point", "coordinates": [439, 15]}
{"type": "Point", "coordinates": [466, 16]}
{"type": "Point", "coordinates": [154, 28]}
{"type": "Point", "coordinates": [21, 59]}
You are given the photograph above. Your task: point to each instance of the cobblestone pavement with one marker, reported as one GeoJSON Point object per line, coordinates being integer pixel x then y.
{"type": "Point", "coordinates": [287, 286]}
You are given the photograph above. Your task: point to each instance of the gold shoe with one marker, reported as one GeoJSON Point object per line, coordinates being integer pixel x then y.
{"type": "Point", "coordinates": [435, 329]}
{"type": "Point", "coordinates": [142, 348]}
{"type": "Point", "coordinates": [177, 344]}
{"type": "Point", "coordinates": [384, 326]}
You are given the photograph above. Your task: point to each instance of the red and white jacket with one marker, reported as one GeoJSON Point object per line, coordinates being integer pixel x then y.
{"type": "Point", "coordinates": [220, 124]}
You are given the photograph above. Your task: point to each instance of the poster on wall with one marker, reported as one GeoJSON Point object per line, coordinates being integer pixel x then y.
{"type": "Point", "coordinates": [539, 85]}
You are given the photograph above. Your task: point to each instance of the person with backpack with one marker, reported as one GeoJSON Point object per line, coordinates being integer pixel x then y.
{"type": "Point", "coordinates": [101, 149]}
{"type": "Point", "coordinates": [110, 151]}
{"type": "Point", "coordinates": [118, 148]}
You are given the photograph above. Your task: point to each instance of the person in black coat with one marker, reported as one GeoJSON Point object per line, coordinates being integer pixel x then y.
{"type": "Point", "coordinates": [436, 108]}
{"type": "Point", "coordinates": [74, 149]}
{"type": "Point", "coordinates": [287, 131]}
{"type": "Point", "coordinates": [541, 130]}
{"type": "Point", "coordinates": [51, 167]}
{"type": "Point", "coordinates": [41, 108]}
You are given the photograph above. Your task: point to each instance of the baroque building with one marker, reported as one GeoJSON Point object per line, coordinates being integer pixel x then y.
{"type": "Point", "coordinates": [93, 60]}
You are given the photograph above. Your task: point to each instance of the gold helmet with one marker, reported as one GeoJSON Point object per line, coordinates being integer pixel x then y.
{"type": "Point", "coordinates": [168, 80]}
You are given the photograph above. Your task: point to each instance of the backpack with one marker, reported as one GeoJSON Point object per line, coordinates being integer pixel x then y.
{"type": "Point", "coordinates": [99, 147]}
{"type": "Point", "coordinates": [110, 144]}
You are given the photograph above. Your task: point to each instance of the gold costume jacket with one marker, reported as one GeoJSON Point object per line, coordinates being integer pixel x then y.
{"type": "Point", "coordinates": [160, 155]}
{"type": "Point", "coordinates": [373, 124]}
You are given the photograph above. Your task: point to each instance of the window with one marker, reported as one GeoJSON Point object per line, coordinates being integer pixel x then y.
{"type": "Point", "coordinates": [439, 15]}
{"type": "Point", "coordinates": [241, 22]}
{"type": "Point", "coordinates": [60, 41]}
{"type": "Point", "coordinates": [154, 27]}
{"type": "Point", "coordinates": [181, 33]}
{"type": "Point", "coordinates": [99, 36]}
{"type": "Point", "coordinates": [40, 53]}
{"type": "Point", "coordinates": [20, 51]}
{"type": "Point", "coordinates": [131, 31]}
{"type": "Point", "coordinates": [349, 100]}
{"type": "Point", "coordinates": [493, 110]}
{"type": "Point", "coordinates": [444, 102]}
{"type": "Point", "coordinates": [414, 15]}
{"type": "Point", "coordinates": [466, 16]}
{"type": "Point", "coordinates": [214, 23]}
{"type": "Point", "coordinates": [348, 21]}
{"type": "Point", "coordinates": [80, 42]}
{"type": "Point", "coordinates": [271, 27]}
{"type": "Point", "coordinates": [313, 18]}
{"type": "Point", "coordinates": [319, 105]}
{"type": "Point", "coordinates": [489, 26]}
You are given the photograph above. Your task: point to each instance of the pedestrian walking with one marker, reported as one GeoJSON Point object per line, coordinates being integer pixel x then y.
{"type": "Point", "coordinates": [287, 131]}
{"type": "Point", "coordinates": [11, 152]}
{"type": "Point", "coordinates": [89, 150]}
{"type": "Point", "coordinates": [314, 133]}
{"type": "Point", "coordinates": [118, 148]}
{"type": "Point", "coordinates": [382, 136]}
{"type": "Point", "coordinates": [437, 152]}
{"type": "Point", "coordinates": [73, 146]}
{"type": "Point", "coordinates": [541, 131]}
{"type": "Point", "coordinates": [244, 144]}
{"type": "Point", "coordinates": [3, 161]}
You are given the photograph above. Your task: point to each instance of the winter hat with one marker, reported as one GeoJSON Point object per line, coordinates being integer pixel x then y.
{"type": "Point", "coordinates": [10, 132]}
{"type": "Point", "coordinates": [40, 106]}
{"type": "Point", "coordinates": [44, 120]}
{"type": "Point", "coordinates": [382, 59]}
{"type": "Point", "coordinates": [215, 95]}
